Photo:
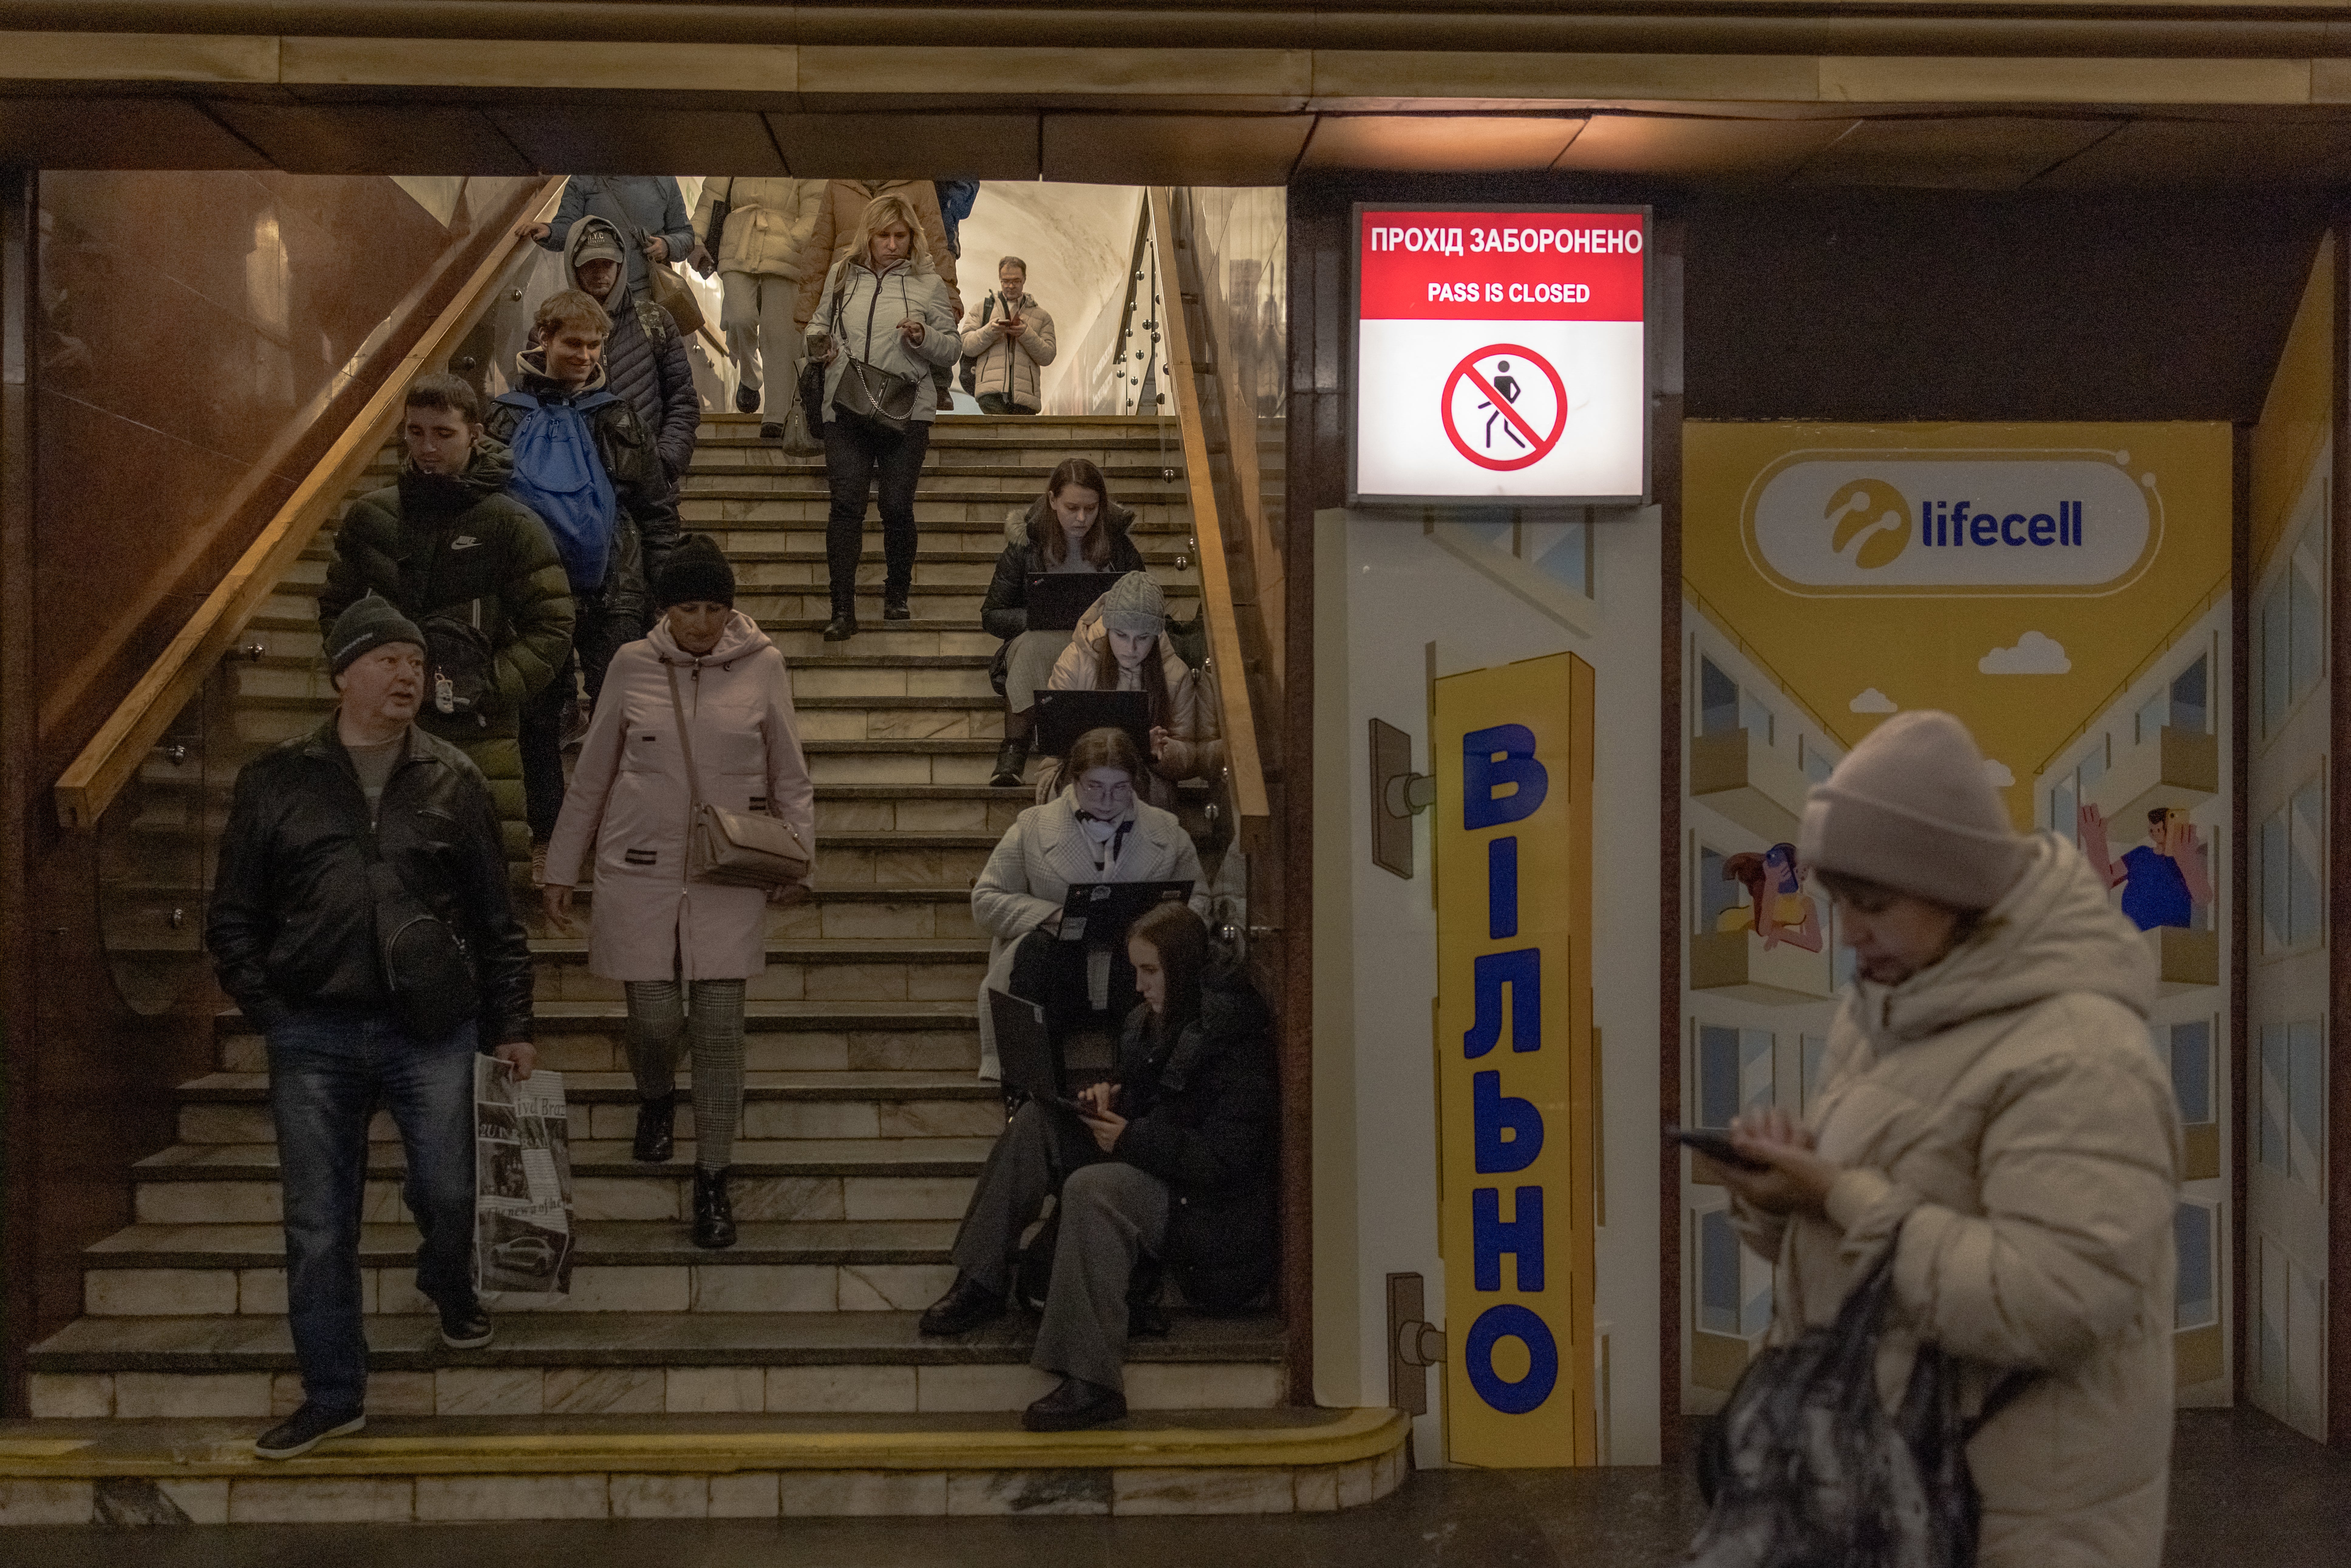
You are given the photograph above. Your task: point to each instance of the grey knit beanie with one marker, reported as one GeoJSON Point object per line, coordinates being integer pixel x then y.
{"type": "Point", "coordinates": [1911, 808]}
{"type": "Point", "coordinates": [368, 625]}
{"type": "Point", "coordinates": [1135, 606]}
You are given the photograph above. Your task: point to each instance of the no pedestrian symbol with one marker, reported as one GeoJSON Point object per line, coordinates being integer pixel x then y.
{"type": "Point", "coordinates": [1504, 407]}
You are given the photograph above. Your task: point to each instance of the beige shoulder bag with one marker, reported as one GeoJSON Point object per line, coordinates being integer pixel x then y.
{"type": "Point", "coordinates": [733, 849]}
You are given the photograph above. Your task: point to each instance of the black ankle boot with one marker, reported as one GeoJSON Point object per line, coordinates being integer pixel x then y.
{"type": "Point", "coordinates": [896, 605]}
{"type": "Point", "coordinates": [656, 1128]}
{"type": "Point", "coordinates": [714, 1215]}
{"type": "Point", "coordinates": [841, 627]}
{"type": "Point", "coordinates": [1011, 758]}
{"type": "Point", "coordinates": [966, 1306]}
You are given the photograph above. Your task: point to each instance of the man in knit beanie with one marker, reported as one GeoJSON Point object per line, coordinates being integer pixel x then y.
{"type": "Point", "coordinates": [370, 624]}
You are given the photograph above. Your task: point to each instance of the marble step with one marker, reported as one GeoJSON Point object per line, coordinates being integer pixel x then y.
{"type": "Point", "coordinates": [233, 1107]}
{"type": "Point", "coordinates": [672, 1362]}
{"type": "Point", "coordinates": [691, 1463]}
{"type": "Point", "coordinates": [600, 1244]}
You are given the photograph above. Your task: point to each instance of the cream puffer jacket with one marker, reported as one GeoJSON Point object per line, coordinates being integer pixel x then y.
{"type": "Point", "coordinates": [767, 223]}
{"type": "Point", "coordinates": [1012, 366]}
{"type": "Point", "coordinates": [2004, 1113]}
{"type": "Point", "coordinates": [1196, 746]}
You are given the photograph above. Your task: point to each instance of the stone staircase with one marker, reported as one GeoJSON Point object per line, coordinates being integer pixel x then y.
{"type": "Point", "coordinates": [863, 1129]}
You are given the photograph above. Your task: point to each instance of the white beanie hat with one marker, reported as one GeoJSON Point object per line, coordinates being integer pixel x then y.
{"type": "Point", "coordinates": [1911, 808]}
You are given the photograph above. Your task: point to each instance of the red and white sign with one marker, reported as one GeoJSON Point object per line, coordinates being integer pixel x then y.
{"type": "Point", "coordinates": [1501, 355]}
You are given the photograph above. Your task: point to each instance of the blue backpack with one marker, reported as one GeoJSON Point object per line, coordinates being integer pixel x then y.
{"type": "Point", "coordinates": [559, 474]}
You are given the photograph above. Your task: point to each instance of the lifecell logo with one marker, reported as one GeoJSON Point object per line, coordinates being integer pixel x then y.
{"type": "Point", "coordinates": [1952, 523]}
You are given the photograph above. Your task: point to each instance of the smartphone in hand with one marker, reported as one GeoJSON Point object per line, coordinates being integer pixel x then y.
{"type": "Point", "coordinates": [1716, 1146]}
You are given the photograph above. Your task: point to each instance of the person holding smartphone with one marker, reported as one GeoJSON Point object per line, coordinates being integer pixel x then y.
{"type": "Point", "coordinates": [1007, 341]}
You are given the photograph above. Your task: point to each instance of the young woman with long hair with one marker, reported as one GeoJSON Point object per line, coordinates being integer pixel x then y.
{"type": "Point", "coordinates": [1122, 645]}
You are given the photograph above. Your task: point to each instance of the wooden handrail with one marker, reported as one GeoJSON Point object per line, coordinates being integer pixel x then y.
{"type": "Point", "coordinates": [1176, 362]}
{"type": "Point", "coordinates": [87, 787]}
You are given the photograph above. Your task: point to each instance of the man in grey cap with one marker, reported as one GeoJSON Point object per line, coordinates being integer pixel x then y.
{"type": "Point", "coordinates": [1991, 1118]}
{"type": "Point", "coordinates": [331, 837]}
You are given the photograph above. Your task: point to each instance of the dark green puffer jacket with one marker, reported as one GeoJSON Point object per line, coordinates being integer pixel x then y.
{"type": "Point", "coordinates": [430, 545]}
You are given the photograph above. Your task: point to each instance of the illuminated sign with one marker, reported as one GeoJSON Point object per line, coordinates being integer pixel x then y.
{"type": "Point", "coordinates": [1513, 846]}
{"type": "Point", "coordinates": [1501, 355]}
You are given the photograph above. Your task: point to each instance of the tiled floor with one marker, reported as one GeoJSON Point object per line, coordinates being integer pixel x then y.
{"type": "Point", "coordinates": [2246, 1490]}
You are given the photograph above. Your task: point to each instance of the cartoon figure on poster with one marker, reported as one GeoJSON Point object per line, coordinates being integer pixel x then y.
{"type": "Point", "coordinates": [2164, 881]}
{"type": "Point", "coordinates": [1777, 909]}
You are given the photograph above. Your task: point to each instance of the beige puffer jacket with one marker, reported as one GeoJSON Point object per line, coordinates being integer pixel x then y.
{"type": "Point", "coordinates": [1013, 367]}
{"type": "Point", "coordinates": [767, 223]}
{"type": "Point", "coordinates": [2005, 1114]}
{"type": "Point", "coordinates": [1196, 746]}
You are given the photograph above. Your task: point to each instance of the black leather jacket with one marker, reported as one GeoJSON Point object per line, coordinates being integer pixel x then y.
{"type": "Point", "coordinates": [292, 922]}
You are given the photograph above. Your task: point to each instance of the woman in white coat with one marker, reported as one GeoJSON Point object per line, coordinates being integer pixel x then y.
{"type": "Point", "coordinates": [1098, 830]}
{"type": "Point", "coordinates": [683, 949]}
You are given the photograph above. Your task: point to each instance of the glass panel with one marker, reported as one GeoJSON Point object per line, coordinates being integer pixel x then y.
{"type": "Point", "coordinates": [2307, 621]}
{"type": "Point", "coordinates": [2191, 1070]}
{"type": "Point", "coordinates": [1755, 1088]}
{"type": "Point", "coordinates": [2274, 881]}
{"type": "Point", "coordinates": [1818, 763]}
{"type": "Point", "coordinates": [2094, 766]}
{"type": "Point", "coordinates": [2149, 722]}
{"type": "Point", "coordinates": [2065, 816]}
{"type": "Point", "coordinates": [1718, 700]}
{"type": "Point", "coordinates": [1718, 1273]}
{"type": "Point", "coordinates": [2276, 691]}
{"type": "Point", "coordinates": [1815, 1055]}
{"type": "Point", "coordinates": [1560, 550]}
{"type": "Point", "coordinates": [1717, 897]}
{"type": "Point", "coordinates": [2307, 840]}
{"type": "Point", "coordinates": [1755, 719]}
{"type": "Point", "coordinates": [2197, 1304]}
{"type": "Point", "coordinates": [2274, 1097]}
{"type": "Point", "coordinates": [1718, 1075]}
{"type": "Point", "coordinates": [2306, 1086]}
{"type": "Point", "coordinates": [2270, 1351]}
{"type": "Point", "coordinates": [2188, 703]}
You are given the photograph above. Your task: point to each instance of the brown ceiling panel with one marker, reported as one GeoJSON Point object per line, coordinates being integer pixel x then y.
{"type": "Point", "coordinates": [1988, 152]}
{"type": "Point", "coordinates": [641, 142]}
{"type": "Point", "coordinates": [374, 138]}
{"type": "Point", "coordinates": [1173, 149]}
{"type": "Point", "coordinates": [1705, 150]}
{"type": "Point", "coordinates": [2175, 154]}
{"type": "Point", "coordinates": [118, 133]}
{"type": "Point", "coordinates": [1439, 143]}
{"type": "Point", "coordinates": [907, 146]}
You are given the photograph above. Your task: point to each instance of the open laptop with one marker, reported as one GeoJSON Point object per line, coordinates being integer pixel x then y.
{"type": "Point", "coordinates": [1100, 912]}
{"type": "Point", "coordinates": [1025, 1055]}
{"type": "Point", "coordinates": [1062, 716]}
{"type": "Point", "coordinates": [1057, 599]}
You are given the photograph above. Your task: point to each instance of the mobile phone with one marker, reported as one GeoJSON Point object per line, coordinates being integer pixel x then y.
{"type": "Point", "coordinates": [1716, 1146]}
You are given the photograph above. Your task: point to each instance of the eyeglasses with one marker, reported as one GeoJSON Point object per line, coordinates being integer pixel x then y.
{"type": "Point", "coordinates": [1093, 789]}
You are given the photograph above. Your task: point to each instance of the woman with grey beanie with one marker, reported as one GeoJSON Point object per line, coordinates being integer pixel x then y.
{"type": "Point", "coordinates": [1122, 645]}
{"type": "Point", "coordinates": [1991, 1114]}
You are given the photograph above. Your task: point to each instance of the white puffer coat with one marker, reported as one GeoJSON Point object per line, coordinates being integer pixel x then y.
{"type": "Point", "coordinates": [862, 309]}
{"type": "Point", "coordinates": [629, 803]}
{"type": "Point", "coordinates": [2003, 1111]}
{"type": "Point", "coordinates": [769, 222]}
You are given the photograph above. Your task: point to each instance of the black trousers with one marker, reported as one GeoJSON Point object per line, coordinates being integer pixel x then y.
{"type": "Point", "coordinates": [596, 635]}
{"type": "Point", "coordinates": [1052, 974]}
{"type": "Point", "coordinates": [857, 452]}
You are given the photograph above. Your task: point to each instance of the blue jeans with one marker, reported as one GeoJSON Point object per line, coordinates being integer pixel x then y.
{"type": "Point", "coordinates": [330, 1070]}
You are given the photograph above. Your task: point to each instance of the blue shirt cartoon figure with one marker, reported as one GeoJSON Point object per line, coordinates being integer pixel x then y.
{"type": "Point", "coordinates": [2164, 881]}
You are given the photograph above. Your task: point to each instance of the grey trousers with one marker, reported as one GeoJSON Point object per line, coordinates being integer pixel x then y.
{"type": "Point", "coordinates": [1111, 1214]}
{"type": "Point", "coordinates": [713, 1031]}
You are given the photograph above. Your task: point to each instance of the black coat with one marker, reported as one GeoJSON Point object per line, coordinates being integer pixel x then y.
{"type": "Point", "coordinates": [1005, 611]}
{"type": "Point", "coordinates": [1204, 1115]}
{"type": "Point", "coordinates": [645, 361]}
{"type": "Point", "coordinates": [292, 922]}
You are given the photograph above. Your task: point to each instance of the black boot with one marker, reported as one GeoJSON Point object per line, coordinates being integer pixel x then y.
{"type": "Point", "coordinates": [1075, 1405]}
{"type": "Point", "coordinates": [895, 605]}
{"type": "Point", "coordinates": [1011, 758]}
{"type": "Point", "coordinates": [656, 1128]}
{"type": "Point", "coordinates": [966, 1306]}
{"type": "Point", "coordinates": [844, 625]}
{"type": "Point", "coordinates": [747, 400]}
{"type": "Point", "coordinates": [714, 1215]}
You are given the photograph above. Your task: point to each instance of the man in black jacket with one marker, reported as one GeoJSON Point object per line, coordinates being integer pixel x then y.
{"type": "Point", "coordinates": [294, 930]}
{"type": "Point", "coordinates": [1173, 1161]}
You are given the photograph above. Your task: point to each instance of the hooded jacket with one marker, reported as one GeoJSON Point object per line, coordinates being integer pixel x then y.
{"type": "Point", "coordinates": [429, 544]}
{"type": "Point", "coordinates": [1005, 611]}
{"type": "Point", "coordinates": [645, 530]}
{"type": "Point", "coordinates": [629, 803]}
{"type": "Point", "coordinates": [1195, 747]}
{"type": "Point", "coordinates": [645, 358]}
{"type": "Point", "coordinates": [1204, 1112]}
{"type": "Point", "coordinates": [838, 210]}
{"type": "Point", "coordinates": [655, 202]}
{"type": "Point", "coordinates": [862, 310]}
{"type": "Point", "coordinates": [769, 222]}
{"type": "Point", "coordinates": [292, 918]}
{"type": "Point", "coordinates": [2002, 1118]}
{"type": "Point", "coordinates": [1012, 366]}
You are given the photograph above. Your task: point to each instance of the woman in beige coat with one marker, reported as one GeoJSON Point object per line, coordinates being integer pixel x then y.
{"type": "Point", "coordinates": [1991, 1109]}
{"type": "Point", "coordinates": [762, 249]}
{"type": "Point", "coordinates": [1122, 645]}
{"type": "Point", "coordinates": [683, 949]}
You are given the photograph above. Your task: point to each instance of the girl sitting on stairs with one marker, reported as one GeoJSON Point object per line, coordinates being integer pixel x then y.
{"type": "Point", "coordinates": [683, 949]}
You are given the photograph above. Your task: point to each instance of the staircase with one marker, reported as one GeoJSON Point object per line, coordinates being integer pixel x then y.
{"type": "Point", "coordinates": [863, 1130]}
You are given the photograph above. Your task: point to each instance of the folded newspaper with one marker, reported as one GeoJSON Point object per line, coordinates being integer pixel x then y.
{"type": "Point", "coordinates": [522, 1181]}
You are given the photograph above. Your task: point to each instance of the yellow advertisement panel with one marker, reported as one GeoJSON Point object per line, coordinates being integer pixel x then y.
{"type": "Point", "coordinates": [1513, 849]}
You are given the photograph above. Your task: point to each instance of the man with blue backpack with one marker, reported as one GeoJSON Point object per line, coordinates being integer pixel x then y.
{"type": "Point", "coordinates": [474, 569]}
{"type": "Point", "coordinates": [585, 463]}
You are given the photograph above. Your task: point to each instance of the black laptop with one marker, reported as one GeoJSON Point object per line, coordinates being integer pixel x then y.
{"type": "Point", "coordinates": [1025, 1055]}
{"type": "Point", "coordinates": [1099, 913]}
{"type": "Point", "coordinates": [1062, 716]}
{"type": "Point", "coordinates": [1057, 599]}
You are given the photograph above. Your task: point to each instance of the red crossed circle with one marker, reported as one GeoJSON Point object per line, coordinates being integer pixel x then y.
{"type": "Point", "coordinates": [1542, 444]}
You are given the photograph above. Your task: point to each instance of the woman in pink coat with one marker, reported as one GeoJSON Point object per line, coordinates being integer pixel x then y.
{"type": "Point", "coordinates": [683, 949]}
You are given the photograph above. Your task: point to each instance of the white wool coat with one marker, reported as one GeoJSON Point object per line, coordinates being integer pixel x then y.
{"type": "Point", "coordinates": [2004, 1112]}
{"type": "Point", "coordinates": [629, 803]}
{"type": "Point", "coordinates": [1044, 854]}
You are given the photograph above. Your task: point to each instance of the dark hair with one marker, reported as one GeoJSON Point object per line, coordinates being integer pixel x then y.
{"type": "Point", "coordinates": [1181, 940]}
{"type": "Point", "coordinates": [1154, 675]}
{"type": "Point", "coordinates": [1103, 748]}
{"type": "Point", "coordinates": [1050, 541]}
{"type": "Point", "coordinates": [446, 393]}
